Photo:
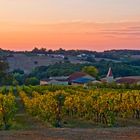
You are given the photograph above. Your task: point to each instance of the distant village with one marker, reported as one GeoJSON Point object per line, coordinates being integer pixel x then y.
{"type": "Point", "coordinates": [82, 78]}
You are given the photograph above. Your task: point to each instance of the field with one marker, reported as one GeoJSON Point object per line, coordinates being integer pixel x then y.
{"type": "Point", "coordinates": [32, 129]}
{"type": "Point", "coordinates": [74, 134]}
{"type": "Point", "coordinates": [28, 63]}
{"type": "Point", "coordinates": [69, 113]}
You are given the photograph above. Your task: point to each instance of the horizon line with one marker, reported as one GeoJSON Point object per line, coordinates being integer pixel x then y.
{"type": "Point", "coordinates": [47, 49]}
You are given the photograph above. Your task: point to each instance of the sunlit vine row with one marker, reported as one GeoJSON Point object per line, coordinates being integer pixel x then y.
{"type": "Point", "coordinates": [103, 106]}
{"type": "Point", "coordinates": [7, 110]}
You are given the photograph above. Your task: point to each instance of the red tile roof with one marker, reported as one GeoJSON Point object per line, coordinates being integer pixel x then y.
{"type": "Point", "coordinates": [76, 75]}
{"type": "Point", "coordinates": [128, 80]}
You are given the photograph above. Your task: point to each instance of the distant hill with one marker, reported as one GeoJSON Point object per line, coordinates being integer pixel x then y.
{"type": "Point", "coordinates": [28, 60]}
{"type": "Point", "coordinates": [28, 63]}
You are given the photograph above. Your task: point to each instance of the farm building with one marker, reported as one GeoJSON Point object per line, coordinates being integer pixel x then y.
{"type": "Point", "coordinates": [55, 81]}
{"type": "Point", "coordinates": [80, 78]}
{"type": "Point", "coordinates": [128, 80]}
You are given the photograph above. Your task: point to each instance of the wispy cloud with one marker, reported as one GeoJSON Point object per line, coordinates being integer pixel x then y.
{"type": "Point", "coordinates": [76, 34]}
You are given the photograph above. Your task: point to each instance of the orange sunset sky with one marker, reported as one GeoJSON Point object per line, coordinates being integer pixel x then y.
{"type": "Point", "coordinates": [70, 24]}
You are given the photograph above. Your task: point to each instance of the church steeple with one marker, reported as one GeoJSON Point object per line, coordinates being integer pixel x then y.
{"type": "Point", "coordinates": [110, 77]}
{"type": "Point", "coordinates": [109, 74]}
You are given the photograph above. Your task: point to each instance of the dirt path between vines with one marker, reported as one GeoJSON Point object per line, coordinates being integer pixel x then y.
{"type": "Point", "coordinates": [129, 133]}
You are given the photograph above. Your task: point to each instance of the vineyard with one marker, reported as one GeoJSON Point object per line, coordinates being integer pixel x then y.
{"type": "Point", "coordinates": [53, 104]}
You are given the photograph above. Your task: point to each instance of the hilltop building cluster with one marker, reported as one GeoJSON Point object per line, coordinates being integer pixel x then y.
{"type": "Point", "coordinates": [82, 78]}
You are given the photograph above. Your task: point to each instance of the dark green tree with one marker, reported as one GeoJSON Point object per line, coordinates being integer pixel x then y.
{"type": "Point", "coordinates": [33, 81]}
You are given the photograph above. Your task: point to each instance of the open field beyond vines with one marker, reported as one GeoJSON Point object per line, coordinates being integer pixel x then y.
{"type": "Point", "coordinates": [73, 134]}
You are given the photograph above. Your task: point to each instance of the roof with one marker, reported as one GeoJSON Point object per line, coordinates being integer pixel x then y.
{"type": "Point", "coordinates": [110, 74]}
{"type": "Point", "coordinates": [56, 81]}
{"type": "Point", "coordinates": [128, 80]}
{"type": "Point", "coordinates": [59, 78]}
{"type": "Point", "coordinates": [76, 75]}
{"type": "Point", "coordinates": [133, 77]}
{"type": "Point", "coordinates": [82, 80]}
{"type": "Point", "coordinates": [89, 77]}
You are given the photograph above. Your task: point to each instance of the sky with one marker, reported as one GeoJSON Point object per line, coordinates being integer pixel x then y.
{"type": "Point", "coordinates": [70, 24]}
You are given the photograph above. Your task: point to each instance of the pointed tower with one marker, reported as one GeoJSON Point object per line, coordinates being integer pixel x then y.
{"type": "Point", "coordinates": [110, 77]}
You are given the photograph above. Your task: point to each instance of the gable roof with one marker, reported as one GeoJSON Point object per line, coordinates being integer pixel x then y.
{"type": "Point", "coordinates": [76, 75]}
{"type": "Point", "coordinates": [128, 80]}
